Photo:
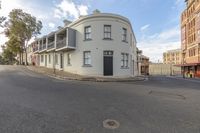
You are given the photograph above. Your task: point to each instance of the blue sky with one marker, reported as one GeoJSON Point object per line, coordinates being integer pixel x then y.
{"type": "Point", "coordinates": [155, 22]}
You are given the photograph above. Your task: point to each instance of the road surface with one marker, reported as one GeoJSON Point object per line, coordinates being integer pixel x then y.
{"type": "Point", "coordinates": [35, 103]}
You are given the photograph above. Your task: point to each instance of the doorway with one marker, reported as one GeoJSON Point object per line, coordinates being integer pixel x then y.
{"type": "Point", "coordinates": [61, 61]}
{"type": "Point", "coordinates": [108, 63]}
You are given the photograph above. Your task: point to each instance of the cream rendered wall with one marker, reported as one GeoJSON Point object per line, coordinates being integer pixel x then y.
{"type": "Point", "coordinates": [97, 45]}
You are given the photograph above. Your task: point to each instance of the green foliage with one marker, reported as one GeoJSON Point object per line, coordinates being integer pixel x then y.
{"type": "Point", "coordinates": [8, 57]}
{"type": "Point", "coordinates": [20, 28]}
{"type": "Point", "coordinates": [23, 25]}
{"type": "Point", "coordinates": [2, 19]}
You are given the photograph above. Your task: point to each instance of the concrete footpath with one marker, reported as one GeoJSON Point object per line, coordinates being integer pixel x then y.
{"type": "Point", "coordinates": [69, 76]}
{"type": "Point", "coordinates": [197, 80]}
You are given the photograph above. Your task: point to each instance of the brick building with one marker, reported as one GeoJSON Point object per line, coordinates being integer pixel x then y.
{"type": "Point", "coordinates": [190, 38]}
{"type": "Point", "coordinates": [172, 57]}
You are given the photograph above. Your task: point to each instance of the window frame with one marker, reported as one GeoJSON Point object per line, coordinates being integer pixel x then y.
{"type": "Point", "coordinates": [89, 33]}
{"type": "Point", "coordinates": [42, 58]}
{"type": "Point", "coordinates": [109, 33]}
{"type": "Point", "coordinates": [56, 58]}
{"type": "Point", "coordinates": [49, 59]}
{"type": "Point", "coordinates": [124, 34]}
{"type": "Point", "coordinates": [69, 59]}
{"type": "Point", "coordinates": [87, 59]}
{"type": "Point", "coordinates": [125, 60]}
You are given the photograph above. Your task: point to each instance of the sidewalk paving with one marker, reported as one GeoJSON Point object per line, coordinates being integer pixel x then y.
{"type": "Point", "coordinates": [69, 76]}
{"type": "Point", "coordinates": [186, 78]}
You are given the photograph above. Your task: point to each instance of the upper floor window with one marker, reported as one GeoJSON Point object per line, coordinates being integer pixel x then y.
{"type": "Point", "coordinates": [124, 34]}
{"type": "Point", "coordinates": [107, 31]}
{"type": "Point", "coordinates": [88, 33]}
{"type": "Point", "coordinates": [86, 58]}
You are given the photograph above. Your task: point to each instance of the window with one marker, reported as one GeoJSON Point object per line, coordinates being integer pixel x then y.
{"type": "Point", "coordinates": [124, 34]}
{"type": "Point", "coordinates": [56, 59]}
{"type": "Point", "coordinates": [107, 31]}
{"type": "Point", "coordinates": [86, 58]}
{"type": "Point", "coordinates": [88, 33]}
{"type": "Point", "coordinates": [42, 58]}
{"type": "Point", "coordinates": [108, 53]}
{"type": "Point", "coordinates": [124, 61]}
{"type": "Point", "coordinates": [192, 52]}
{"type": "Point", "coordinates": [68, 59]}
{"type": "Point", "coordinates": [49, 58]}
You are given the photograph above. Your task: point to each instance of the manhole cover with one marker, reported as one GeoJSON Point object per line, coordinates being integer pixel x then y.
{"type": "Point", "coordinates": [111, 124]}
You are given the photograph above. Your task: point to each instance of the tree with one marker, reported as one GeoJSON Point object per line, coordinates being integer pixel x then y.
{"type": "Point", "coordinates": [23, 27]}
{"type": "Point", "coordinates": [2, 18]}
{"type": "Point", "coordinates": [8, 57]}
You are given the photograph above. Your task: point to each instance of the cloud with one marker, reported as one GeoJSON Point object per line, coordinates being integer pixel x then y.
{"type": "Point", "coordinates": [65, 9]}
{"type": "Point", "coordinates": [154, 45]}
{"type": "Point", "coordinates": [83, 10]}
{"type": "Point", "coordinates": [51, 25]}
{"type": "Point", "coordinates": [68, 9]}
{"type": "Point", "coordinates": [145, 27]}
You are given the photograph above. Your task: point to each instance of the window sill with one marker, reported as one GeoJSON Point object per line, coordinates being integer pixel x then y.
{"type": "Point", "coordinates": [87, 65]}
{"type": "Point", "coordinates": [110, 39]}
{"type": "Point", "coordinates": [87, 40]}
{"type": "Point", "coordinates": [124, 67]}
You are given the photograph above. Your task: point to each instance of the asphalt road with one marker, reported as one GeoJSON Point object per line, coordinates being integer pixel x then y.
{"type": "Point", "coordinates": [34, 103]}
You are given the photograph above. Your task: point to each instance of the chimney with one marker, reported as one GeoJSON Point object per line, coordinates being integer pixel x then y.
{"type": "Point", "coordinates": [96, 11]}
{"type": "Point", "coordinates": [66, 22]}
{"type": "Point", "coordinates": [59, 27]}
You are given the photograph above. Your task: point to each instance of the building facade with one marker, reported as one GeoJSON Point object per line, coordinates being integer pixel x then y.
{"type": "Point", "coordinates": [142, 63]}
{"type": "Point", "coordinates": [172, 57]}
{"type": "Point", "coordinates": [100, 44]}
{"type": "Point", "coordinates": [190, 38]}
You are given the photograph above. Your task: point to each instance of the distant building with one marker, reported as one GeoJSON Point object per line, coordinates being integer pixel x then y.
{"type": "Point", "coordinates": [190, 38]}
{"type": "Point", "coordinates": [143, 63]}
{"type": "Point", "coordinates": [172, 57]}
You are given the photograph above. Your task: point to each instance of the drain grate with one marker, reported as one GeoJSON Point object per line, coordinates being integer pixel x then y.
{"type": "Point", "coordinates": [111, 124]}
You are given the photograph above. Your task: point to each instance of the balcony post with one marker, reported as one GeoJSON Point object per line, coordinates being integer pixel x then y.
{"type": "Point", "coordinates": [55, 40]}
{"type": "Point", "coordinates": [46, 42]}
{"type": "Point", "coordinates": [66, 31]}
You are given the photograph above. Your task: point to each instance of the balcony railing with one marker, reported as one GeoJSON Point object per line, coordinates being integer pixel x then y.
{"type": "Point", "coordinates": [44, 46]}
{"type": "Point", "coordinates": [40, 47]}
{"type": "Point", "coordinates": [50, 45]}
{"type": "Point", "coordinates": [61, 43]}
{"type": "Point", "coordinates": [35, 49]}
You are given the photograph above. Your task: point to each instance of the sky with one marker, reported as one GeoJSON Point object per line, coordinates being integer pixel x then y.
{"type": "Point", "coordinates": [156, 23]}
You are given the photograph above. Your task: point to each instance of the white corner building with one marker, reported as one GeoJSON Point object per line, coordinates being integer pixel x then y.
{"type": "Point", "coordinates": [100, 44]}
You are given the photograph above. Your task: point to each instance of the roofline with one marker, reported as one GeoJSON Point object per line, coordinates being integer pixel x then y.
{"type": "Point", "coordinates": [96, 15]}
